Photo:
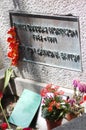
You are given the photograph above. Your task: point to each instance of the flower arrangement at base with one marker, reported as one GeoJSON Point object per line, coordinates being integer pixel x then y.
{"type": "Point", "coordinates": [76, 100]}
{"type": "Point", "coordinates": [54, 107]}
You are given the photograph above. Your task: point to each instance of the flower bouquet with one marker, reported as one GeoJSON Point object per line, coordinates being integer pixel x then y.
{"type": "Point", "coordinates": [13, 54]}
{"type": "Point", "coordinates": [54, 107]}
{"type": "Point", "coordinates": [76, 100]}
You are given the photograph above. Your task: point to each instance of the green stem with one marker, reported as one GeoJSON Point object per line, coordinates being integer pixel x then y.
{"type": "Point", "coordinates": [5, 116]}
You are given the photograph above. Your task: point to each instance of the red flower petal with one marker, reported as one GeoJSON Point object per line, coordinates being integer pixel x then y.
{"type": "Point", "coordinates": [13, 46]}
{"type": "Point", "coordinates": [10, 54]}
{"type": "Point", "coordinates": [60, 92]}
{"type": "Point", "coordinates": [27, 128]}
{"type": "Point", "coordinates": [84, 97]}
{"type": "Point", "coordinates": [14, 62]}
{"type": "Point", "coordinates": [11, 39]}
{"type": "Point", "coordinates": [4, 126]}
{"type": "Point", "coordinates": [1, 94]}
{"type": "Point", "coordinates": [48, 86]}
{"type": "Point", "coordinates": [50, 109]}
{"type": "Point", "coordinates": [43, 92]}
{"type": "Point", "coordinates": [12, 31]}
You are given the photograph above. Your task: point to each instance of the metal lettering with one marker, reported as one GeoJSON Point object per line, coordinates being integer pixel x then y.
{"type": "Point", "coordinates": [48, 53]}
{"type": "Point", "coordinates": [51, 30]}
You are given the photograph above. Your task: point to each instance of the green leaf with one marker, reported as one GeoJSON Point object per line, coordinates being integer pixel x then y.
{"type": "Point", "coordinates": [45, 113]}
{"type": "Point", "coordinates": [8, 74]}
{"type": "Point", "coordinates": [61, 115]}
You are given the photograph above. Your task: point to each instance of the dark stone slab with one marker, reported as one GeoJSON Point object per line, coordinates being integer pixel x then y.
{"type": "Point", "coordinates": [78, 123]}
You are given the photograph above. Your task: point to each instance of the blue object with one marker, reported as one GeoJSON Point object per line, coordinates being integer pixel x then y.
{"type": "Point", "coordinates": [25, 109]}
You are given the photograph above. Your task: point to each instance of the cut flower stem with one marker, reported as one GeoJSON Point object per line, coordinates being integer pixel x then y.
{"type": "Point", "coordinates": [4, 116]}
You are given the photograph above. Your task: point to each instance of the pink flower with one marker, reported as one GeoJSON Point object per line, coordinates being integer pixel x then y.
{"type": "Point", "coordinates": [84, 85]}
{"type": "Point", "coordinates": [75, 83]}
{"type": "Point", "coordinates": [48, 86]}
{"type": "Point", "coordinates": [81, 88]}
{"type": "Point", "coordinates": [43, 92]}
{"type": "Point", "coordinates": [71, 101]}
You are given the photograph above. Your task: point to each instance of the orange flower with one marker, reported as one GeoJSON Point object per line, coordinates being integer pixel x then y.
{"type": "Point", "coordinates": [12, 31]}
{"type": "Point", "coordinates": [60, 92]}
{"type": "Point", "coordinates": [52, 103]}
{"type": "Point", "coordinates": [58, 105]}
{"type": "Point", "coordinates": [50, 109]}
{"type": "Point", "coordinates": [43, 92]}
{"type": "Point", "coordinates": [48, 86]}
{"type": "Point", "coordinates": [51, 88]}
{"type": "Point", "coordinates": [14, 62]}
{"type": "Point", "coordinates": [11, 45]}
{"type": "Point", "coordinates": [53, 106]}
{"type": "Point", "coordinates": [10, 54]}
{"type": "Point", "coordinates": [13, 41]}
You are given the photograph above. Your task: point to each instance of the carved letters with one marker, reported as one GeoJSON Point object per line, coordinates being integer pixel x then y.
{"type": "Point", "coordinates": [51, 54]}
{"type": "Point", "coordinates": [48, 30]}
